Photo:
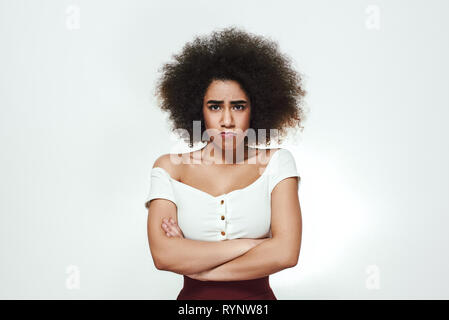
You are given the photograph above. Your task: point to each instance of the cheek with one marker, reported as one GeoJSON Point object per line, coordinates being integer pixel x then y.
{"type": "Point", "coordinates": [207, 118]}
{"type": "Point", "coordinates": [210, 121]}
{"type": "Point", "coordinates": [244, 121]}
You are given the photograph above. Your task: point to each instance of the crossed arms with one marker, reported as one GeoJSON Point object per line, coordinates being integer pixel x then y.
{"type": "Point", "coordinates": [230, 260]}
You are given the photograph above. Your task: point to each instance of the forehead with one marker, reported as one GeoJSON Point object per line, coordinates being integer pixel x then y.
{"type": "Point", "coordinates": [224, 90]}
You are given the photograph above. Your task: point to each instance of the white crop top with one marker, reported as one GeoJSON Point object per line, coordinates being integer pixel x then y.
{"type": "Point", "coordinates": [241, 213]}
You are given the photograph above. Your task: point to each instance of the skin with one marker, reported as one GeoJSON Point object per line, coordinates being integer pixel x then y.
{"type": "Point", "coordinates": [226, 107]}
{"type": "Point", "coordinates": [221, 114]}
{"type": "Point", "coordinates": [171, 228]}
{"type": "Point", "coordinates": [212, 169]}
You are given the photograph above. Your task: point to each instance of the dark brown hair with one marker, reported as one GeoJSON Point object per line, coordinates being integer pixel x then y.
{"type": "Point", "coordinates": [274, 88]}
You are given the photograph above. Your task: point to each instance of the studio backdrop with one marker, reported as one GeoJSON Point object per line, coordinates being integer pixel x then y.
{"type": "Point", "coordinates": [80, 129]}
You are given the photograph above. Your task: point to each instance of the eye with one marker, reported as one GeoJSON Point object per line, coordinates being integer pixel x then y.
{"type": "Point", "coordinates": [211, 107]}
{"type": "Point", "coordinates": [238, 107]}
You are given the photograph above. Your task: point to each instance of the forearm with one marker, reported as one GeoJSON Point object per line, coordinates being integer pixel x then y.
{"type": "Point", "coordinates": [262, 260]}
{"type": "Point", "coordinates": [186, 256]}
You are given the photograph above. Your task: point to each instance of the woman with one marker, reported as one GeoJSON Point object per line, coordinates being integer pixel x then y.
{"type": "Point", "coordinates": [227, 216]}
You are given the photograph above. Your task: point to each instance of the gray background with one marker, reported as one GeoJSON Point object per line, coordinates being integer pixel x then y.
{"type": "Point", "coordinates": [80, 130]}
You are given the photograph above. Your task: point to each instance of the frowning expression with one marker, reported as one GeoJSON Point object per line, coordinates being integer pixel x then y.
{"type": "Point", "coordinates": [226, 109]}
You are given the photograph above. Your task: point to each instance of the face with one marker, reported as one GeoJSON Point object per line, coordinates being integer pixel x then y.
{"type": "Point", "coordinates": [226, 108]}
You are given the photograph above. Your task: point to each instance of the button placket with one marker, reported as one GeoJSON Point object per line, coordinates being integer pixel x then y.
{"type": "Point", "coordinates": [222, 217]}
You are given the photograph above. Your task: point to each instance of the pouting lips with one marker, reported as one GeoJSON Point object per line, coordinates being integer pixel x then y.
{"type": "Point", "coordinates": [227, 135]}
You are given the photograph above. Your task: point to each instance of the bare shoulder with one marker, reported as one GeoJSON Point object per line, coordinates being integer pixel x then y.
{"type": "Point", "coordinates": [170, 163]}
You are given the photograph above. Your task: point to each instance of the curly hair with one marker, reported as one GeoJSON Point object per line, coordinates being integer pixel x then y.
{"type": "Point", "coordinates": [274, 88]}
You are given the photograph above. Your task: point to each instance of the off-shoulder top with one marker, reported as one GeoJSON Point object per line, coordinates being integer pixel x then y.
{"type": "Point", "coordinates": [241, 213]}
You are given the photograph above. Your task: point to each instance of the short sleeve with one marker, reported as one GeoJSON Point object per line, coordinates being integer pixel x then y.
{"type": "Point", "coordinates": [160, 186]}
{"type": "Point", "coordinates": [283, 166]}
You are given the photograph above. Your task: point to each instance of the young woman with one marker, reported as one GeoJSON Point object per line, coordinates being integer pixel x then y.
{"type": "Point", "coordinates": [227, 216]}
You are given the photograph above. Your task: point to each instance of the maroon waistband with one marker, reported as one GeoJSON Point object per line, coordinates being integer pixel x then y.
{"type": "Point", "coordinates": [196, 289]}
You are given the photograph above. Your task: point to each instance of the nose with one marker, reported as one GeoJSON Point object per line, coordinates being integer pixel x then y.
{"type": "Point", "coordinates": [227, 119]}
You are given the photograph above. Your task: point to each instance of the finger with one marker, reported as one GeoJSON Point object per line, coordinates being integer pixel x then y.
{"type": "Point", "coordinates": [168, 223]}
{"type": "Point", "coordinates": [172, 230]}
{"type": "Point", "coordinates": [175, 228]}
{"type": "Point", "coordinates": [175, 232]}
{"type": "Point", "coordinates": [180, 232]}
{"type": "Point", "coordinates": [168, 230]}
{"type": "Point", "coordinates": [172, 224]}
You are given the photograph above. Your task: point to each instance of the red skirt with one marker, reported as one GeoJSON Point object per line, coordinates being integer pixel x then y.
{"type": "Point", "coordinates": [256, 289]}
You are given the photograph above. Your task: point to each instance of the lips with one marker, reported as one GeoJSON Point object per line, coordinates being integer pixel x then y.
{"type": "Point", "coordinates": [228, 133]}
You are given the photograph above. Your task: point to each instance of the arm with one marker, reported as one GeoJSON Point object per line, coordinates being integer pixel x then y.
{"type": "Point", "coordinates": [275, 254]}
{"type": "Point", "coordinates": [185, 256]}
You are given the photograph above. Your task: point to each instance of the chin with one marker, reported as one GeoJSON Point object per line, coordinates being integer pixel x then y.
{"type": "Point", "coordinates": [229, 144]}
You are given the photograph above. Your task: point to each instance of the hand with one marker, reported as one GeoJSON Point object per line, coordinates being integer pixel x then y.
{"type": "Point", "coordinates": [171, 228]}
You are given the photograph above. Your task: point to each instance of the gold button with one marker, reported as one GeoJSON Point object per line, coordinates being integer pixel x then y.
{"type": "Point", "coordinates": [222, 217]}
{"type": "Point", "coordinates": [222, 201]}
{"type": "Point", "coordinates": [223, 233]}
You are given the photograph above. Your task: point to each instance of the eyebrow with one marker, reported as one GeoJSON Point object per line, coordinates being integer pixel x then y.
{"type": "Point", "coordinates": [221, 101]}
